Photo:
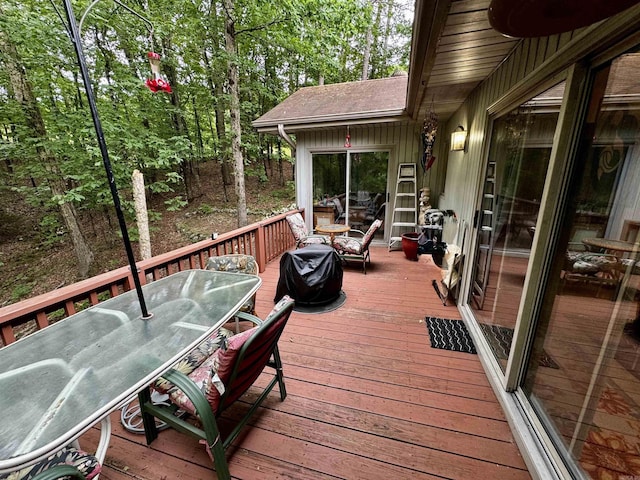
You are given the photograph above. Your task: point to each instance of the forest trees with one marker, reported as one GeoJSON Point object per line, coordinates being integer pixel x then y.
{"type": "Point", "coordinates": [228, 62]}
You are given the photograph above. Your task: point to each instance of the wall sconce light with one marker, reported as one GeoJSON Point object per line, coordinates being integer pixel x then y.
{"type": "Point", "coordinates": [458, 139]}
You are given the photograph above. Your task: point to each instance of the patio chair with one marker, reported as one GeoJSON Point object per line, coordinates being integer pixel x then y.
{"type": "Point", "coordinates": [350, 248]}
{"type": "Point", "coordinates": [598, 269]}
{"type": "Point", "coordinates": [238, 263]}
{"type": "Point", "coordinates": [216, 384]}
{"type": "Point", "coordinates": [301, 234]}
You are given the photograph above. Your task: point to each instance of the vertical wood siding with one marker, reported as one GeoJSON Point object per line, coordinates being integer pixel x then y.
{"type": "Point", "coordinates": [465, 170]}
{"type": "Point", "coordinates": [402, 141]}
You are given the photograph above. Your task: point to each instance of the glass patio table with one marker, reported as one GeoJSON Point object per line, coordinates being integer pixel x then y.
{"type": "Point", "coordinates": [60, 381]}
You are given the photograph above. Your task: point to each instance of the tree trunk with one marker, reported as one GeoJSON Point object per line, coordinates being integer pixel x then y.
{"type": "Point", "coordinates": [142, 218]}
{"type": "Point", "coordinates": [367, 53]}
{"type": "Point", "coordinates": [376, 58]}
{"type": "Point", "coordinates": [234, 110]}
{"type": "Point", "coordinates": [23, 93]}
{"type": "Point", "coordinates": [221, 130]}
{"type": "Point", "coordinates": [179, 123]}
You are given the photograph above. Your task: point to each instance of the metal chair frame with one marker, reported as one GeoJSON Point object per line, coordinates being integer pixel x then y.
{"type": "Point", "coordinates": [266, 347]}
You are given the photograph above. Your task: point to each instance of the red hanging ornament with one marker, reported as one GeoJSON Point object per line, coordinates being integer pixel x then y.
{"type": "Point", "coordinates": [347, 140]}
{"type": "Point", "coordinates": [156, 84]}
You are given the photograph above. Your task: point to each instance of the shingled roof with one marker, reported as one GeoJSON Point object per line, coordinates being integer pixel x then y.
{"type": "Point", "coordinates": [351, 103]}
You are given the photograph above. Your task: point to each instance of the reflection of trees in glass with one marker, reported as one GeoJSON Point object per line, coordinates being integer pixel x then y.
{"type": "Point", "coordinates": [604, 162]}
{"type": "Point", "coordinates": [329, 175]}
{"type": "Point", "coordinates": [369, 172]}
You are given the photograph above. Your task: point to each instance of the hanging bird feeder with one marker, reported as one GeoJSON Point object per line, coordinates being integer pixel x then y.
{"type": "Point", "coordinates": [347, 139]}
{"type": "Point", "coordinates": [156, 84]}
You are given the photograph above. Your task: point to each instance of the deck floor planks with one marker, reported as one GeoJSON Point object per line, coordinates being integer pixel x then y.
{"type": "Point", "coordinates": [387, 426]}
{"type": "Point", "coordinates": [367, 397]}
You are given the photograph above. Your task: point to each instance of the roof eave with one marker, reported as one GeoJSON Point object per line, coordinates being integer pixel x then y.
{"type": "Point", "coordinates": [333, 120]}
{"type": "Point", "coordinates": [429, 20]}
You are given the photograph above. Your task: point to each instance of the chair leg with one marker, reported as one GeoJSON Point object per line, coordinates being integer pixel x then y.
{"type": "Point", "coordinates": [279, 375]}
{"type": "Point", "coordinates": [149, 423]}
{"type": "Point", "coordinates": [207, 418]}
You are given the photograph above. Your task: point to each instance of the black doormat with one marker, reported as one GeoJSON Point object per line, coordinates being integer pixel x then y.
{"type": "Point", "coordinates": [322, 308]}
{"type": "Point", "coordinates": [449, 335]}
{"type": "Point", "coordinates": [500, 339]}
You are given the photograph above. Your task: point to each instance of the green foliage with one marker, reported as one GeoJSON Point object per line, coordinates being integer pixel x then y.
{"type": "Point", "coordinates": [22, 289]}
{"type": "Point", "coordinates": [176, 203]}
{"type": "Point", "coordinates": [205, 209]}
{"type": "Point", "coordinates": [51, 230]}
{"type": "Point", "coordinates": [281, 47]}
{"type": "Point", "coordinates": [287, 192]}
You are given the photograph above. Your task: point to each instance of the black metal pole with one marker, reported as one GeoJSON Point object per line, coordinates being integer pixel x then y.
{"type": "Point", "coordinates": [75, 38]}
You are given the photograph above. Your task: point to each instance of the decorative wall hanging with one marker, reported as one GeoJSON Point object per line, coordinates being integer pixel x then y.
{"type": "Point", "coordinates": [429, 130]}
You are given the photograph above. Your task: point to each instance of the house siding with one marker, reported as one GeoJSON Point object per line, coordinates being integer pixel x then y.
{"type": "Point", "coordinates": [401, 140]}
{"type": "Point", "coordinates": [533, 66]}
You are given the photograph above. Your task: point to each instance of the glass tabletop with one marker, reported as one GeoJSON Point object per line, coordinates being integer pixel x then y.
{"type": "Point", "coordinates": [58, 382]}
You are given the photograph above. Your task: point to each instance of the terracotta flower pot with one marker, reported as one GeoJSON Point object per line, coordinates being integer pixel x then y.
{"type": "Point", "coordinates": [410, 245]}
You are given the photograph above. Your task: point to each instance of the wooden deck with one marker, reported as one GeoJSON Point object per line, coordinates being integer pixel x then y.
{"type": "Point", "coordinates": [368, 398]}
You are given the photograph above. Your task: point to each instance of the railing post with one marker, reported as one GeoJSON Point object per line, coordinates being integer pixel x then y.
{"type": "Point", "coordinates": [6, 332]}
{"type": "Point", "coordinates": [261, 248]}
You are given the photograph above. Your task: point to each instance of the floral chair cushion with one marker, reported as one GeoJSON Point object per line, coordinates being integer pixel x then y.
{"type": "Point", "coordinates": [353, 246]}
{"type": "Point", "coordinates": [366, 240]}
{"type": "Point", "coordinates": [301, 234]}
{"type": "Point", "coordinates": [215, 372]}
{"type": "Point", "coordinates": [347, 245]}
{"type": "Point", "coordinates": [298, 227]}
{"type": "Point", "coordinates": [588, 263]}
{"type": "Point", "coordinates": [87, 464]}
{"type": "Point", "coordinates": [195, 358]}
{"type": "Point", "coordinates": [233, 263]}
{"type": "Point", "coordinates": [220, 363]}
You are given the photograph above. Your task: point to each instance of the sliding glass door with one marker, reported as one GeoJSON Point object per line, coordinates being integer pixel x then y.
{"type": "Point", "coordinates": [363, 175]}
{"type": "Point", "coordinates": [507, 213]}
{"type": "Point", "coordinates": [583, 373]}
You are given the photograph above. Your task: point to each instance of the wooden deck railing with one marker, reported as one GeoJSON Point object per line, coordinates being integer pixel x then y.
{"type": "Point", "coordinates": [264, 240]}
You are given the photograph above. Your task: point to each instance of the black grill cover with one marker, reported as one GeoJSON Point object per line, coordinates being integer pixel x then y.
{"type": "Point", "coordinates": [311, 275]}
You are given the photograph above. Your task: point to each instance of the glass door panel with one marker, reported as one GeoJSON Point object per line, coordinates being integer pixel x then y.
{"type": "Point", "coordinates": [367, 189]}
{"type": "Point", "coordinates": [507, 214]}
{"type": "Point", "coordinates": [329, 188]}
{"type": "Point", "coordinates": [583, 375]}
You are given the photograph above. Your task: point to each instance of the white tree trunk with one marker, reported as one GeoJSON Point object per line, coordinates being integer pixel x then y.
{"type": "Point", "coordinates": [142, 219]}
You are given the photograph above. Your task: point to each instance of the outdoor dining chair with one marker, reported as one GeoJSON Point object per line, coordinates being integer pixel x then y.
{"type": "Point", "coordinates": [221, 380]}
{"type": "Point", "coordinates": [234, 263]}
{"type": "Point", "coordinates": [301, 234]}
{"type": "Point", "coordinates": [350, 248]}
